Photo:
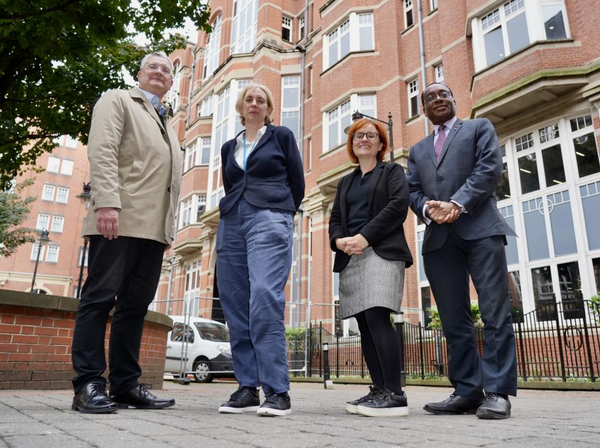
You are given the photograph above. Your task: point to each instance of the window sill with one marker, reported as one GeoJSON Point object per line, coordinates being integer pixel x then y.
{"type": "Point", "coordinates": [413, 118]}
{"type": "Point", "coordinates": [332, 151]}
{"type": "Point", "coordinates": [331, 67]}
{"type": "Point", "coordinates": [408, 30]}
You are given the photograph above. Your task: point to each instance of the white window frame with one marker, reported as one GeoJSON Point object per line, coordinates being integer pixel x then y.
{"type": "Point", "coordinates": [66, 167]}
{"type": "Point", "coordinates": [409, 11]}
{"type": "Point", "coordinates": [58, 223]}
{"type": "Point", "coordinates": [213, 48]}
{"type": "Point", "coordinates": [301, 27]}
{"type": "Point", "coordinates": [433, 5]}
{"type": "Point", "coordinates": [206, 106]}
{"type": "Point", "coordinates": [243, 37]}
{"type": "Point", "coordinates": [70, 142]}
{"type": "Point", "coordinates": [43, 221]}
{"type": "Point", "coordinates": [53, 165]}
{"type": "Point", "coordinates": [412, 90]}
{"type": "Point", "coordinates": [48, 192]}
{"type": "Point", "coordinates": [190, 156]}
{"type": "Point", "coordinates": [439, 73]}
{"type": "Point", "coordinates": [350, 26]}
{"type": "Point", "coordinates": [204, 148]}
{"type": "Point", "coordinates": [34, 252]}
{"type": "Point", "coordinates": [185, 212]}
{"type": "Point", "coordinates": [52, 253]}
{"type": "Point", "coordinates": [289, 83]}
{"type": "Point", "coordinates": [286, 24]}
{"type": "Point", "coordinates": [341, 111]}
{"type": "Point", "coordinates": [62, 195]}
{"type": "Point", "coordinates": [193, 274]}
{"type": "Point", "coordinates": [535, 27]}
{"type": "Point", "coordinates": [173, 93]}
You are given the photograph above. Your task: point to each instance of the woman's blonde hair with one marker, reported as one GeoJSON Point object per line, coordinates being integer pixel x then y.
{"type": "Point", "coordinates": [240, 101]}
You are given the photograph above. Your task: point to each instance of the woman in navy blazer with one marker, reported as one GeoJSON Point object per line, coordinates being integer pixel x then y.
{"type": "Point", "coordinates": [366, 232]}
{"type": "Point", "coordinates": [264, 186]}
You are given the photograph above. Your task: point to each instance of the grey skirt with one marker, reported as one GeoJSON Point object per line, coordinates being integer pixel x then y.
{"type": "Point", "coordinates": [369, 281]}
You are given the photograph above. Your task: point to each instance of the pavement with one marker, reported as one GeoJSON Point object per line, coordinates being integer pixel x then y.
{"type": "Point", "coordinates": [539, 419]}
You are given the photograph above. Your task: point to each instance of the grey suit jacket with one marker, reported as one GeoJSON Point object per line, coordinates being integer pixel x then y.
{"type": "Point", "coordinates": [468, 173]}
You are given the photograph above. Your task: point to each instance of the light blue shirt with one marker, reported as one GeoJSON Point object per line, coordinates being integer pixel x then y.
{"type": "Point", "coordinates": [155, 101]}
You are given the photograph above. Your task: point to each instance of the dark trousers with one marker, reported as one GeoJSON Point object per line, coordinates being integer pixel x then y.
{"type": "Point", "coordinates": [381, 348]}
{"type": "Point", "coordinates": [448, 270]}
{"type": "Point", "coordinates": [122, 274]}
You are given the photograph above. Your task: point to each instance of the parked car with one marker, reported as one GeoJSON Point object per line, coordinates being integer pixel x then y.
{"type": "Point", "coordinates": [208, 349]}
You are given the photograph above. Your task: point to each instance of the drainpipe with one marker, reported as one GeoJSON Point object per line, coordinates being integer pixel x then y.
{"type": "Point", "coordinates": [422, 49]}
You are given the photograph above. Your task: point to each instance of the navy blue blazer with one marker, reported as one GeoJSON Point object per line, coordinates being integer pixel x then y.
{"type": "Point", "coordinates": [274, 176]}
{"type": "Point", "coordinates": [468, 173]}
{"type": "Point", "coordinates": [388, 207]}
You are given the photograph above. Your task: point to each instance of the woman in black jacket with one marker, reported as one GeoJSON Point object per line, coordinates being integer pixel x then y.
{"type": "Point", "coordinates": [366, 232]}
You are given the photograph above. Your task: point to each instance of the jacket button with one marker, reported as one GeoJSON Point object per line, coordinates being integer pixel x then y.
{"type": "Point", "coordinates": [169, 189]}
{"type": "Point", "coordinates": [439, 179]}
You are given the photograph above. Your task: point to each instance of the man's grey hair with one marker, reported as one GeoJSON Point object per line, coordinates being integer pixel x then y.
{"type": "Point", "coordinates": [161, 54]}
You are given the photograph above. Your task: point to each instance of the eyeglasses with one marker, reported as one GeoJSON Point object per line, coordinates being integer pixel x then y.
{"type": "Point", "coordinates": [371, 136]}
{"type": "Point", "coordinates": [432, 96]}
{"type": "Point", "coordinates": [158, 67]}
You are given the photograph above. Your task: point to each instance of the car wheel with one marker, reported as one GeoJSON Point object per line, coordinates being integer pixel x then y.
{"type": "Point", "coordinates": [202, 371]}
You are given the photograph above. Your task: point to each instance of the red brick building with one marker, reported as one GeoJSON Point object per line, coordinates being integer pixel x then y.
{"type": "Point", "coordinates": [530, 66]}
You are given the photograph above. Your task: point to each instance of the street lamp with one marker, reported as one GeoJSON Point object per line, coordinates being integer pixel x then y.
{"type": "Point", "coordinates": [43, 239]}
{"type": "Point", "coordinates": [390, 124]}
{"type": "Point", "coordinates": [85, 196]}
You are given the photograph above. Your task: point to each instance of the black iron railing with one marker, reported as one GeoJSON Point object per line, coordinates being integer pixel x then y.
{"type": "Point", "coordinates": [558, 342]}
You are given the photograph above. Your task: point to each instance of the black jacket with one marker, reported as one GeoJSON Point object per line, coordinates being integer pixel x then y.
{"type": "Point", "coordinates": [274, 177]}
{"type": "Point", "coordinates": [388, 207]}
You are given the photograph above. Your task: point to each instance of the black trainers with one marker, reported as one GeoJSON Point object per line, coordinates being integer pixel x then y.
{"type": "Point", "coordinates": [385, 404]}
{"type": "Point", "coordinates": [276, 405]}
{"type": "Point", "coordinates": [352, 405]}
{"type": "Point", "coordinates": [245, 399]}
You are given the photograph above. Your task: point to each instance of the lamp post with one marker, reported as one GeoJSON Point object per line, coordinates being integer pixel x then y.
{"type": "Point", "coordinates": [85, 197]}
{"type": "Point", "coordinates": [43, 239]}
{"type": "Point", "coordinates": [390, 124]}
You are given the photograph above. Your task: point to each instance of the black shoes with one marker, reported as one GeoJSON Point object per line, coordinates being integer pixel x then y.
{"type": "Point", "coordinates": [92, 399]}
{"type": "Point", "coordinates": [276, 405]}
{"type": "Point", "coordinates": [140, 397]}
{"type": "Point", "coordinates": [454, 405]}
{"type": "Point", "coordinates": [385, 403]}
{"type": "Point", "coordinates": [495, 407]}
{"type": "Point", "coordinates": [245, 399]}
{"type": "Point", "coordinates": [352, 405]}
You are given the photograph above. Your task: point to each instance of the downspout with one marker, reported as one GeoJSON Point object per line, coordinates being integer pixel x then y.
{"type": "Point", "coordinates": [422, 50]}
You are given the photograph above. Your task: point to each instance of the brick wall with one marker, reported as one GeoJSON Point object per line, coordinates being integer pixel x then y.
{"type": "Point", "coordinates": [36, 332]}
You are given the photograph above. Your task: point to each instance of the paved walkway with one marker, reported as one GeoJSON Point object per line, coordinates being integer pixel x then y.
{"type": "Point", "coordinates": [540, 419]}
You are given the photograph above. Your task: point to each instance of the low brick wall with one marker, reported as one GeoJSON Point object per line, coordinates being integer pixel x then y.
{"type": "Point", "coordinates": [35, 342]}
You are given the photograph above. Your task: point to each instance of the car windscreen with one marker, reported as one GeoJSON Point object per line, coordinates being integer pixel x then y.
{"type": "Point", "coordinates": [212, 332]}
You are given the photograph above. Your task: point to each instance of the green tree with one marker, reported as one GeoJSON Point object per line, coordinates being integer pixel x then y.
{"type": "Point", "coordinates": [58, 56]}
{"type": "Point", "coordinates": [13, 211]}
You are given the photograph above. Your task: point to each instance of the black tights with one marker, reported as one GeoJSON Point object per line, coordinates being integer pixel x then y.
{"type": "Point", "coordinates": [381, 347]}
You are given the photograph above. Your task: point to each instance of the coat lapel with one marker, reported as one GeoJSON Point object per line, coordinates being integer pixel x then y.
{"type": "Point", "coordinates": [137, 94]}
{"type": "Point", "coordinates": [430, 148]}
{"type": "Point", "coordinates": [377, 172]}
{"type": "Point", "coordinates": [347, 181]}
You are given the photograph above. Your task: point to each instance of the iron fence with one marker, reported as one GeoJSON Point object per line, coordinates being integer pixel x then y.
{"type": "Point", "coordinates": [557, 342]}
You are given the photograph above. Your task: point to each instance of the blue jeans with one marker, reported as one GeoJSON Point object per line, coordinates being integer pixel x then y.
{"type": "Point", "coordinates": [254, 256]}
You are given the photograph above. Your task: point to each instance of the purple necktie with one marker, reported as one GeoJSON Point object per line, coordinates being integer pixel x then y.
{"type": "Point", "coordinates": [439, 143]}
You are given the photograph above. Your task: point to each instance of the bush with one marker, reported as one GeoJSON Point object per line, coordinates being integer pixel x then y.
{"type": "Point", "coordinates": [436, 322]}
{"type": "Point", "coordinates": [595, 306]}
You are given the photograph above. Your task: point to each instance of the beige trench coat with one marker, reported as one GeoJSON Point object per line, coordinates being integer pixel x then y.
{"type": "Point", "coordinates": [135, 166]}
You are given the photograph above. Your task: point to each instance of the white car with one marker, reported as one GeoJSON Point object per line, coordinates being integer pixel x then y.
{"type": "Point", "coordinates": [208, 349]}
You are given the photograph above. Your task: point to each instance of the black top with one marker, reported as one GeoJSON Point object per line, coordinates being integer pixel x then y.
{"type": "Point", "coordinates": [357, 202]}
{"type": "Point", "coordinates": [387, 207]}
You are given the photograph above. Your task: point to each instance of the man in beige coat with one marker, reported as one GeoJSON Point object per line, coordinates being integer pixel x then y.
{"type": "Point", "coordinates": [135, 166]}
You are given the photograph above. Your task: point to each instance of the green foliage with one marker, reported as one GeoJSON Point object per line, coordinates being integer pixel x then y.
{"type": "Point", "coordinates": [436, 322]}
{"type": "Point", "coordinates": [13, 211]}
{"type": "Point", "coordinates": [295, 333]}
{"type": "Point", "coordinates": [595, 306]}
{"type": "Point", "coordinates": [58, 56]}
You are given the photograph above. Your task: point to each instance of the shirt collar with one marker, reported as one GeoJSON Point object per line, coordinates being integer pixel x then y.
{"type": "Point", "coordinates": [448, 125]}
{"type": "Point", "coordinates": [259, 134]}
{"type": "Point", "coordinates": [155, 101]}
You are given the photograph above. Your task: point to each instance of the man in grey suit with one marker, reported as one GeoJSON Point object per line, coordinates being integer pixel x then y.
{"type": "Point", "coordinates": [452, 176]}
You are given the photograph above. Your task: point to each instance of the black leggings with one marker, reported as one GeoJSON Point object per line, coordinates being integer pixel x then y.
{"type": "Point", "coordinates": [380, 347]}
